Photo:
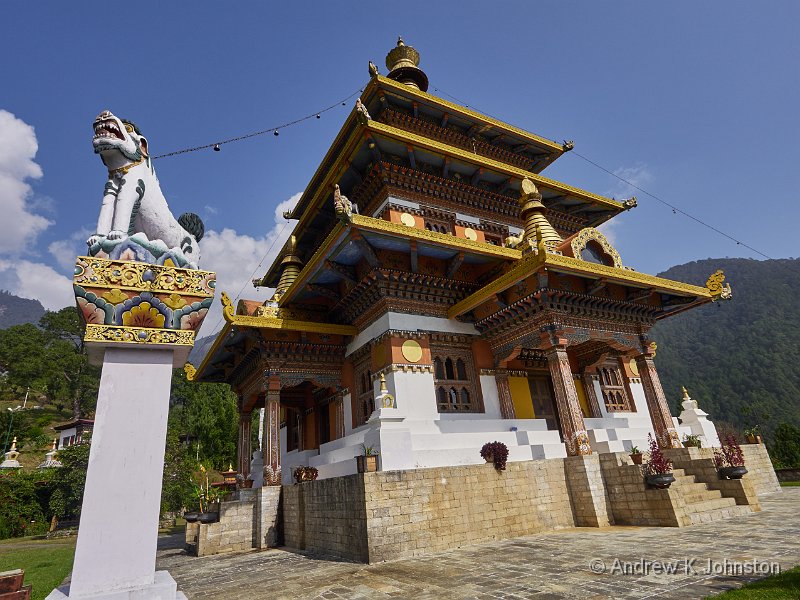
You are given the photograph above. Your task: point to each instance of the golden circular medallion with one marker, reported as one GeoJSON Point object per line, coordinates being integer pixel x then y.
{"type": "Point", "coordinates": [634, 368]}
{"type": "Point", "coordinates": [470, 234]}
{"type": "Point", "coordinates": [408, 220]}
{"type": "Point", "coordinates": [412, 351]}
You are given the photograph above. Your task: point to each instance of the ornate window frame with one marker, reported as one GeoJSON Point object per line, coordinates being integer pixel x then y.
{"type": "Point", "coordinates": [455, 377]}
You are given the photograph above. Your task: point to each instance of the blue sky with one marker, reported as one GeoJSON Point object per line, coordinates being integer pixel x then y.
{"type": "Point", "coordinates": [696, 102]}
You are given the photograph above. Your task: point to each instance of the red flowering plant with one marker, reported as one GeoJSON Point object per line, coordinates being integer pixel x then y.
{"type": "Point", "coordinates": [496, 451]}
{"type": "Point", "coordinates": [658, 464]}
{"type": "Point", "coordinates": [730, 455]}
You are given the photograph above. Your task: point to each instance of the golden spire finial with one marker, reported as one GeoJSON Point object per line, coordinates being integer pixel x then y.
{"type": "Point", "coordinates": [14, 444]}
{"type": "Point", "coordinates": [383, 383]}
{"type": "Point", "coordinates": [685, 393]}
{"type": "Point", "coordinates": [537, 227]}
{"type": "Point", "coordinates": [55, 444]}
{"type": "Point", "coordinates": [403, 64]}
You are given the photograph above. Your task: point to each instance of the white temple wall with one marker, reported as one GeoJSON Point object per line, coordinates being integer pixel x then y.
{"type": "Point", "coordinates": [491, 399]}
{"type": "Point", "coordinates": [347, 409]}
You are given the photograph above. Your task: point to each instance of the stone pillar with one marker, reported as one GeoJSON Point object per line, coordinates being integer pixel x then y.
{"type": "Point", "coordinates": [591, 395]}
{"type": "Point", "coordinates": [116, 550]}
{"type": "Point", "coordinates": [504, 395]}
{"type": "Point", "coordinates": [243, 450]}
{"type": "Point", "coordinates": [570, 415]}
{"type": "Point", "coordinates": [272, 424]}
{"type": "Point", "coordinates": [666, 435]}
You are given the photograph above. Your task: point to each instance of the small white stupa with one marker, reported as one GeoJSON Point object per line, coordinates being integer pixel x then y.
{"type": "Point", "coordinates": [697, 420]}
{"type": "Point", "coordinates": [50, 460]}
{"type": "Point", "coordinates": [11, 461]}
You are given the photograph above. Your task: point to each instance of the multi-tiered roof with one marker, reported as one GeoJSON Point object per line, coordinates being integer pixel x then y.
{"type": "Point", "coordinates": [438, 194]}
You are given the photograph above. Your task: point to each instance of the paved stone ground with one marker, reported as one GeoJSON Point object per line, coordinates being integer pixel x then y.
{"type": "Point", "coordinates": [559, 564]}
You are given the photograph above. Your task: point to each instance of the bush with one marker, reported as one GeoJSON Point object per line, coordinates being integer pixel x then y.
{"type": "Point", "coordinates": [499, 453]}
{"type": "Point", "coordinates": [68, 481]}
{"type": "Point", "coordinates": [730, 455]}
{"type": "Point", "coordinates": [658, 464]}
{"type": "Point", "coordinates": [23, 503]}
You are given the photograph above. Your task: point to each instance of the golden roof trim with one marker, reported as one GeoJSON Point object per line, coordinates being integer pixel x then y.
{"type": "Point", "coordinates": [485, 161]}
{"type": "Point", "coordinates": [533, 262]}
{"type": "Point", "coordinates": [442, 239]}
{"type": "Point", "coordinates": [467, 112]}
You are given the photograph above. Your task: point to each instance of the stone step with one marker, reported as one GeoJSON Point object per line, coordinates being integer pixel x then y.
{"type": "Point", "coordinates": [710, 505]}
{"type": "Point", "coordinates": [692, 488]}
{"type": "Point", "coordinates": [720, 513]}
{"type": "Point", "coordinates": [694, 498]}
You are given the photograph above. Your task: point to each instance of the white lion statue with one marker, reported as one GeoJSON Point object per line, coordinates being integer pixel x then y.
{"type": "Point", "coordinates": [135, 222]}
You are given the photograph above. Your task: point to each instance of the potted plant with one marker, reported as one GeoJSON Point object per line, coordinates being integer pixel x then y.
{"type": "Point", "coordinates": [753, 435]}
{"type": "Point", "coordinates": [636, 455]}
{"type": "Point", "coordinates": [368, 461]}
{"type": "Point", "coordinates": [302, 474]}
{"type": "Point", "coordinates": [729, 459]}
{"type": "Point", "coordinates": [692, 441]}
{"type": "Point", "coordinates": [658, 470]}
{"type": "Point", "coordinates": [496, 452]}
{"type": "Point", "coordinates": [212, 495]}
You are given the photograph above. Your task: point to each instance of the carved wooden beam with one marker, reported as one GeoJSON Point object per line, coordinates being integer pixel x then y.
{"type": "Point", "coordinates": [640, 295]}
{"type": "Point", "coordinates": [342, 270]}
{"type": "Point", "coordinates": [411, 158]}
{"type": "Point", "coordinates": [415, 106]}
{"type": "Point", "coordinates": [414, 257]}
{"type": "Point", "coordinates": [445, 118]}
{"type": "Point", "coordinates": [597, 286]}
{"type": "Point", "coordinates": [476, 176]}
{"type": "Point", "coordinates": [367, 251]}
{"type": "Point", "coordinates": [446, 167]}
{"type": "Point", "coordinates": [373, 148]}
{"type": "Point", "coordinates": [500, 301]}
{"type": "Point", "coordinates": [454, 264]}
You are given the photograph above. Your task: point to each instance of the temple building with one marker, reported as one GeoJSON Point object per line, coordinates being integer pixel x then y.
{"type": "Point", "coordinates": [437, 293]}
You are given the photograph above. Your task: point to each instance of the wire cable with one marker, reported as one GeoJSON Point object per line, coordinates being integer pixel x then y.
{"type": "Point", "coordinates": [675, 209]}
{"type": "Point", "coordinates": [246, 136]}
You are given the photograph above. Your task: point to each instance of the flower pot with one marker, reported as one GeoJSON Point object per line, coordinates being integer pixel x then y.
{"type": "Point", "coordinates": [191, 517]}
{"type": "Point", "coordinates": [636, 458]}
{"type": "Point", "coordinates": [208, 517]}
{"type": "Point", "coordinates": [732, 472]}
{"type": "Point", "coordinates": [660, 481]}
{"type": "Point", "coordinates": [367, 464]}
{"type": "Point", "coordinates": [751, 439]}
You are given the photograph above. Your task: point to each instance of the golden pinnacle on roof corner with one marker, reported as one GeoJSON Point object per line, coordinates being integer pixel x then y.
{"type": "Point", "coordinates": [537, 227]}
{"type": "Point", "coordinates": [403, 64]}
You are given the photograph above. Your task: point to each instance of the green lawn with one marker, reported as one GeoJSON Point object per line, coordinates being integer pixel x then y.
{"type": "Point", "coordinates": [790, 483]}
{"type": "Point", "coordinates": [45, 563]}
{"type": "Point", "coordinates": [778, 587]}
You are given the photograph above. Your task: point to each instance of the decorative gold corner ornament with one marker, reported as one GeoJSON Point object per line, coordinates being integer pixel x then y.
{"type": "Point", "coordinates": [228, 311]}
{"type": "Point", "coordinates": [137, 335]}
{"type": "Point", "coordinates": [190, 371]}
{"type": "Point", "coordinates": [717, 289]}
{"type": "Point", "coordinates": [590, 234]}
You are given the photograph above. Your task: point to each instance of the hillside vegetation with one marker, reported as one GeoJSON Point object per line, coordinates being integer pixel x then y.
{"type": "Point", "coordinates": [737, 358]}
{"type": "Point", "coordinates": [16, 311]}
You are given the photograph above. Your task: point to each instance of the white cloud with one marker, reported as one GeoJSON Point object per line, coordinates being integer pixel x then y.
{"type": "Point", "coordinates": [19, 226]}
{"type": "Point", "coordinates": [65, 251]}
{"type": "Point", "coordinates": [35, 280]}
{"type": "Point", "coordinates": [235, 258]}
{"type": "Point", "coordinates": [638, 175]}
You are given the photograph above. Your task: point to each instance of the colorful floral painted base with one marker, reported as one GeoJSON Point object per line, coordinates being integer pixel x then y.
{"type": "Point", "coordinates": [128, 302]}
{"type": "Point", "coordinates": [138, 248]}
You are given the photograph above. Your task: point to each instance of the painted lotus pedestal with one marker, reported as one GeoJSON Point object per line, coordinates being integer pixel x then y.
{"type": "Point", "coordinates": [141, 321]}
{"type": "Point", "coordinates": [142, 300]}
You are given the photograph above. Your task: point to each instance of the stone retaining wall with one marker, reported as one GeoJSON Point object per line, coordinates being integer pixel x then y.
{"type": "Point", "coordinates": [250, 520]}
{"type": "Point", "coordinates": [788, 474]}
{"type": "Point", "coordinates": [760, 469]}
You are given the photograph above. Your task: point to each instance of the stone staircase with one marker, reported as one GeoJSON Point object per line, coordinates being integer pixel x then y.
{"type": "Point", "coordinates": [703, 504]}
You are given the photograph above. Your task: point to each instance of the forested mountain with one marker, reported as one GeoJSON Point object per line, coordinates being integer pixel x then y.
{"type": "Point", "coordinates": [16, 311]}
{"type": "Point", "coordinates": [737, 358]}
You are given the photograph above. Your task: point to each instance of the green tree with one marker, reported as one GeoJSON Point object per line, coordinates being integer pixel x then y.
{"type": "Point", "coordinates": [68, 481]}
{"type": "Point", "coordinates": [23, 498]}
{"type": "Point", "coordinates": [176, 488]}
{"type": "Point", "coordinates": [208, 415]}
{"type": "Point", "coordinates": [70, 375]}
{"type": "Point", "coordinates": [784, 447]}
